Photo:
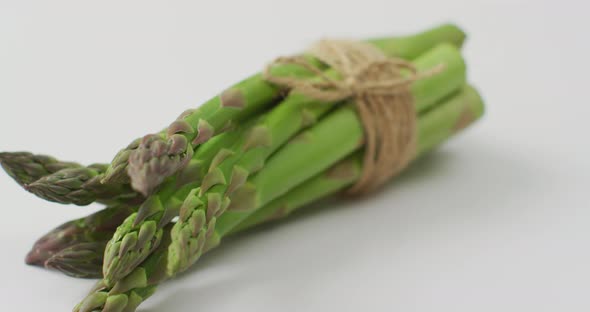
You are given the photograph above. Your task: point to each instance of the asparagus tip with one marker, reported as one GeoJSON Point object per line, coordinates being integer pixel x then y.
{"type": "Point", "coordinates": [156, 159]}
{"type": "Point", "coordinates": [82, 260]}
{"type": "Point", "coordinates": [37, 257]}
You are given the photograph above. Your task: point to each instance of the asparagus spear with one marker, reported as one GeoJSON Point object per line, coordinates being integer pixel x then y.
{"type": "Point", "coordinates": [434, 127]}
{"type": "Point", "coordinates": [127, 294]}
{"type": "Point", "coordinates": [98, 226]}
{"type": "Point", "coordinates": [26, 168]}
{"type": "Point", "coordinates": [330, 181]}
{"type": "Point", "coordinates": [156, 157]}
{"type": "Point", "coordinates": [63, 182]}
{"type": "Point", "coordinates": [440, 122]}
{"type": "Point", "coordinates": [81, 186]}
{"type": "Point", "coordinates": [283, 122]}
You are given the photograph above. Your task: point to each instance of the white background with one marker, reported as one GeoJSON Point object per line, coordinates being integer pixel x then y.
{"type": "Point", "coordinates": [496, 220]}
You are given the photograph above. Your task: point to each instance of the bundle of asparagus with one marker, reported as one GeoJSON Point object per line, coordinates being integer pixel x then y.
{"type": "Point", "coordinates": [253, 154]}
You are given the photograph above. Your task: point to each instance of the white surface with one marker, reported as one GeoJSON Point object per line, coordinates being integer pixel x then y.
{"type": "Point", "coordinates": [496, 220]}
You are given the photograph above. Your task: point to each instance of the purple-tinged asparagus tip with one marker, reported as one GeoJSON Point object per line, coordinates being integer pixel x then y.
{"type": "Point", "coordinates": [81, 260]}
{"type": "Point", "coordinates": [156, 159]}
{"type": "Point", "coordinates": [37, 257]}
{"type": "Point", "coordinates": [53, 242]}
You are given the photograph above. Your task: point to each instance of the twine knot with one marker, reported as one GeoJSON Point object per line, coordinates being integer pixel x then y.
{"type": "Point", "coordinates": [380, 87]}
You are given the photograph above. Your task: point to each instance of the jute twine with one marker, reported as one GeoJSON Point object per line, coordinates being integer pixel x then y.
{"type": "Point", "coordinates": [380, 87]}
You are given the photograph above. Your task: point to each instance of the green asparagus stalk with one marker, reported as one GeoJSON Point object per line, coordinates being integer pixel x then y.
{"type": "Point", "coordinates": [26, 168]}
{"type": "Point", "coordinates": [288, 121]}
{"type": "Point", "coordinates": [98, 226]}
{"type": "Point", "coordinates": [332, 180]}
{"type": "Point", "coordinates": [434, 127]}
{"type": "Point", "coordinates": [156, 157]}
{"type": "Point", "coordinates": [445, 118]}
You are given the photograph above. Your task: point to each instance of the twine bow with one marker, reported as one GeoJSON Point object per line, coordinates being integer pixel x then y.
{"type": "Point", "coordinates": [380, 87]}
